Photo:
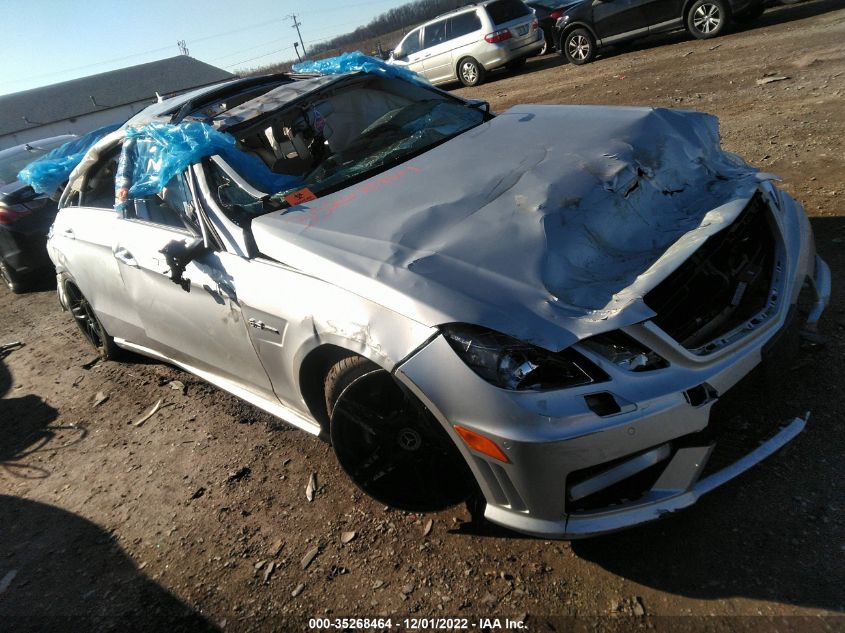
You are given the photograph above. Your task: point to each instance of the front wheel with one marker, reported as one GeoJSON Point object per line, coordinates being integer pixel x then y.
{"type": "Point", "coordinates": [707, 18]}
{"type": "Point", "coordinates": [578, 46]}
{"type": "Point", "coordinates": [389, 443]}
{"type": "Point", "coordinates": [470, 72]}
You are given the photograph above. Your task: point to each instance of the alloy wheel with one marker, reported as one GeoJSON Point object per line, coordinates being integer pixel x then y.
{"type": "Point", "coordinates": [85, 317]}
{"type": "Point", "coordinates": [579, 47]}
{"type": "Point", "coordinates": [392, 447]}
{"type": "Point", "coordinates": [469, 72]}
{"type": "Point", "coordinates": [707, 18]}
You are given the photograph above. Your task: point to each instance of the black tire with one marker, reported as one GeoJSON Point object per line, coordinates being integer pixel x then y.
{"type": "Point", "coordinates": [707, 18]}
{"type": "Point", "coordinates": [578, 46]}
{"type": "Point", "coordinates": [12, 280]}
{"type": "Point", "coordinates": [548, 47]}
{"type": "Point", "coordinates": [88, 323]}
{"type": "Point", "coordinates": [470, 72]}
{"type": "Point", "coordinates": [749, 15]}
{"type": "Point", "coordinates": [388, 443]}
{"type": "Point", "coordinates": [516, 64]}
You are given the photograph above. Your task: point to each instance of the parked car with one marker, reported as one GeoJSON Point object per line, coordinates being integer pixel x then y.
{"type": "Point", "coordinates": [25, 216]}
{"type": "Point", "coordinates": [464, 44]}
{"type": "Point", "coordinates": [543, 307]}
{"type": "Point", "coordinates": [587, 26]}
{"type": "Point", "coordinates": [548, 12]}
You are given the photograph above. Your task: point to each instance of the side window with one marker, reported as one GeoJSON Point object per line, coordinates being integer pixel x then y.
{"type": "Point", "coordinates": [435, 33]}
{"type": "Point", "coordinates": [464, 24]}
{"type": "Point", "coordinates": [411, 44]}
{"type": "Point", "coordinates": [98, 190]}
{"type": "Point", "coordinates": [173, 206]}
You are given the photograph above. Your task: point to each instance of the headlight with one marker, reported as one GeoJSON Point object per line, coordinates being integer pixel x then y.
{"type": "Point", "coordinates": [512, 364]}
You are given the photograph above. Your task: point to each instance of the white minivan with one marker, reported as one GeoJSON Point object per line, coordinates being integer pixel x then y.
{"type": "Point", "coordinates": [467, 42]}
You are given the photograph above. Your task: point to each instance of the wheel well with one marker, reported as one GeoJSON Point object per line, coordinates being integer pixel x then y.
{"type": "Point", "coordinates": [577, 25]}
{"type": "Point", "coordinates": [458, 65]}
{"type": "Point", "coordinates": [312, 374]}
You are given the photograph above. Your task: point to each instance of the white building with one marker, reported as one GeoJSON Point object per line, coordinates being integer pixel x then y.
{"type": "Point", "coordinates": [81, 105]}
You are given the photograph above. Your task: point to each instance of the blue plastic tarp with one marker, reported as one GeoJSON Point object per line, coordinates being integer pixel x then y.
{"type": "Point", "coordinates": [358, 62]}
{"type": "Point", "coordinates": [156, 152]}
{"type": "Point", "coordinates": [46, 174]}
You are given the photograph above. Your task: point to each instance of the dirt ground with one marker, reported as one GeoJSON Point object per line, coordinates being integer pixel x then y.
{"type": "Point", "coordinates": [198, 518]}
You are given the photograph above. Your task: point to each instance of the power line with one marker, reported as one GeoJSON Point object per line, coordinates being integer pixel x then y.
{"type": "Point", "coordinates": [259, 57]}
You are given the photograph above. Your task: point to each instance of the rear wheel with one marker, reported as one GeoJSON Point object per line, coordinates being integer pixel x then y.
{"type": "Point", "coordinates": [470, 72]}
{"type": "Point", "coordinates": [578, 46]}
{"type": "Point", "coordinates": [88, 323]}
{"type": "Point", "coordinates": [707, 18]}
{"type": "Point", "coordinates": [388, 443]}
{"type": "Point", "coordinates": [11, 279]}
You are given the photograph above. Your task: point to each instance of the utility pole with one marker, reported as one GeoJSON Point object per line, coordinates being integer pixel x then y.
{"type": "Point", "coordinates": [296, 25]}
{"type": "Point", "coordinates": [296, 48]}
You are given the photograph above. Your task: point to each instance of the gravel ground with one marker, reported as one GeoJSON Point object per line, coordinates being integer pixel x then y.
{"type": "Point", "coordinates": [198, 518]}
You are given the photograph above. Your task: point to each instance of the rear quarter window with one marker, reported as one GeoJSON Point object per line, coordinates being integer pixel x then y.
{"type": "Point", "coordinates": [503, 11]}
{"type": "Point", "coordinates": [464, 24]}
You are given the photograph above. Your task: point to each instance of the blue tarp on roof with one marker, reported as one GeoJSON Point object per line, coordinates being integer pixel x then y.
{"type": "Point", "coordinates": [51, 171]}
{"type": "Point", "coordinates": [358, 62]}
{"type": "Point", "coordinates": [154, 153]}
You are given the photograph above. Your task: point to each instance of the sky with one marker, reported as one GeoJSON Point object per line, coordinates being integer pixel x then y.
{"type": "Point", "coordinates": [48, 41]}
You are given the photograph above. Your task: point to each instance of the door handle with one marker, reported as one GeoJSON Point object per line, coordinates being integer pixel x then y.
{"type": "Point", "coordinates": [68, 233]}
{"type": "Point", "coordinates": [123, 255]}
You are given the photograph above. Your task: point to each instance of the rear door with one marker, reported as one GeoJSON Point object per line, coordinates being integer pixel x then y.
{"type": "Point", "coordinates": [617, 19]}
{"type": "Point", "coordinates": [661, 14]}
{"type": "Point", "coordinates": [83, 235]}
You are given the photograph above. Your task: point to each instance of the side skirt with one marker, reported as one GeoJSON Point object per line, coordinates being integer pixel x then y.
{"type": "Point", "coordinates": [274, 408]}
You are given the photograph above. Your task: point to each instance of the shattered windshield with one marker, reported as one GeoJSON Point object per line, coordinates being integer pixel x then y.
{"type": "Point", "coordinates": [392, 137]}
{"type": "Point", "coordinates": [336, 139]}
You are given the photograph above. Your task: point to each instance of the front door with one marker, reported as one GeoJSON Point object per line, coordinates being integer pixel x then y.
{"type": "Point", "coordinates": [196, 320]}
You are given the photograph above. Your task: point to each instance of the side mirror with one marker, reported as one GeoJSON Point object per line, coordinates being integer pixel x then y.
{"type": "Point", "coordinates": [178, 254]}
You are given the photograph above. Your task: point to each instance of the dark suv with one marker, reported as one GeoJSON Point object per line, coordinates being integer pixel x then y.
{"type": "Point", "coordinates": [587, 25]}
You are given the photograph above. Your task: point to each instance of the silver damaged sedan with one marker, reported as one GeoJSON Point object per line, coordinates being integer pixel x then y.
{"type": "Point", "coordinates": [536, 310]}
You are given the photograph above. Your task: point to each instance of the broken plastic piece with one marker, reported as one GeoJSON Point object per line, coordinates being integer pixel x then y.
{"type": "Point", "coordinates": [357, 62]}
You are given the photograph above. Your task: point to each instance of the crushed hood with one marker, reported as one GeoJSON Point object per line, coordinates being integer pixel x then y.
{"type": "Point", "coordinates": [548, 223]}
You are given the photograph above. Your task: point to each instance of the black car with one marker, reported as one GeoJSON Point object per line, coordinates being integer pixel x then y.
{"type": "Point", "coordinates": [587, 25]}
{"type": "Point", "coordinates": [548, 12]}
{"type": "Point", "coordinates": [25, 216]}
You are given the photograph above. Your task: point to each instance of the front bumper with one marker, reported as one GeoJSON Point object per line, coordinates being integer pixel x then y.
{"type": "Point", "coordinates": [560, 452]}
